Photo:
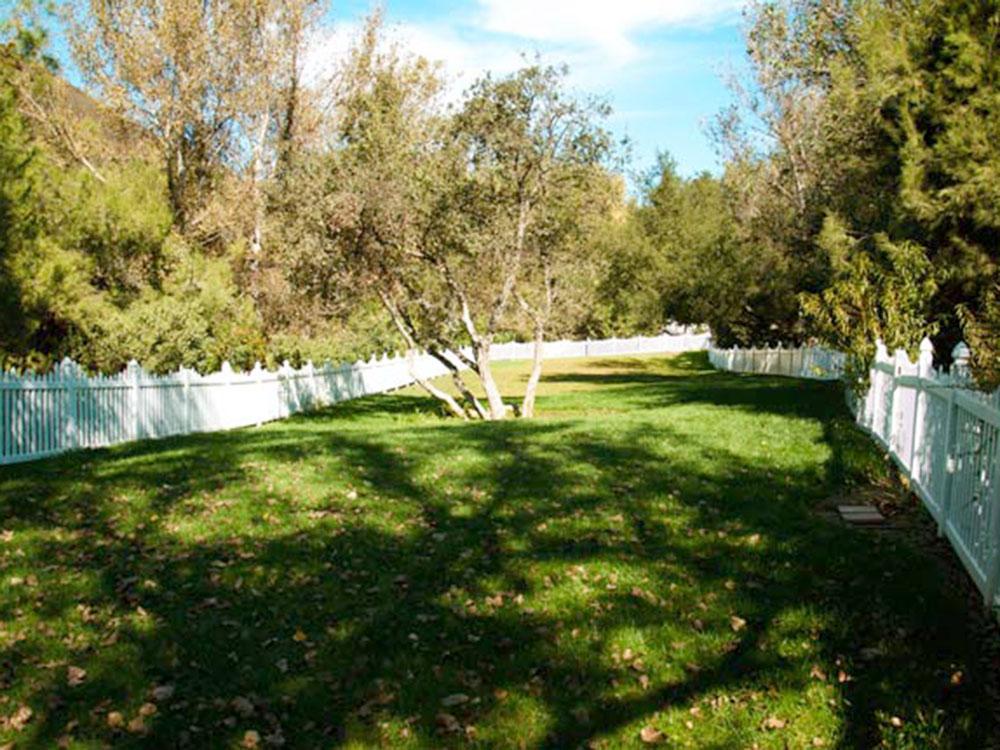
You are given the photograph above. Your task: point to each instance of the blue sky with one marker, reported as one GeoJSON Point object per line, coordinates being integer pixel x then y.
{"type": "Point", "coordinates": [661, 63]}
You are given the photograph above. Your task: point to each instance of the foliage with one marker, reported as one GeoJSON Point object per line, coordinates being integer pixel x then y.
{"type": "Point", "coordinates": [208, 82]}
{"type": "Point", "coordinates": [16, 163]}
{"type": "Point", "coordinates": [982, 331]}
{"type": "Point", "coordinates": [876, 293]}
{"type": "Point", "coordinates": [674, 257]}
{"type": "Point", "coordinates": [881, 134]}
{"type": "Point", "coordinates": [454, 221]}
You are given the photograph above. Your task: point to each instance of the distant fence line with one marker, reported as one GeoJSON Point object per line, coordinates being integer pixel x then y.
{"type": "Point", "coordinates": [942, 433]}
{"type": "Point", "coordinates": [42, 415]}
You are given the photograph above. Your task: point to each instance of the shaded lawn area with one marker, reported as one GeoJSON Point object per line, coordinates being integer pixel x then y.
{"type": "Point", "coordinates": [645, 555]}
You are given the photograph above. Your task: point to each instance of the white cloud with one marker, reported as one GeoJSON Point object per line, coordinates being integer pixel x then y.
{"type": "Point", "coordinates": [607, 25]}
{"type": "Point", "coordinates": [600, 41]}
{"type": "Point", "coordinates": [465, 55]}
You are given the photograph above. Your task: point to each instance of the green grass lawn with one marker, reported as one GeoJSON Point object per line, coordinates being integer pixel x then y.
{"type": "Point", "coordinates": [648, 557]}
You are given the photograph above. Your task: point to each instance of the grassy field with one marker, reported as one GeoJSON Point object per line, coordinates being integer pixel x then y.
{"type": "Point", "coordinates": [647, 562]}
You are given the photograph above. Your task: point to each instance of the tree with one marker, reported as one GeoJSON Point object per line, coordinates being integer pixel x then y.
{"type": "Point", "coordinates": [780, 141]}
{"type": "Point", "coordinates": [910, 129]}
{"type": "Point", "coordinates": [534, 157]}
{"type": "Point", "coordinates": [439, 216]}
{"type": "Point", "coordinates": [215, 83]}
{"type": "Point", "coordinates": [16, 217]}
{"type": "Point", "coordinates": [559, 279]}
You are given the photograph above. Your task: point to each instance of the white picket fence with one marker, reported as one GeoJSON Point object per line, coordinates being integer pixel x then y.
{"type": "Point", "coordinates": [42, 415]}
{"type": "Point", "coordinates": [812, 362]}
{"type": "Point", "coordinates": [943, 434]}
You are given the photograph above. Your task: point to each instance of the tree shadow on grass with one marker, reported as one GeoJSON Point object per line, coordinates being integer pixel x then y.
{"type": "Point", "coordinates": [336, 577]}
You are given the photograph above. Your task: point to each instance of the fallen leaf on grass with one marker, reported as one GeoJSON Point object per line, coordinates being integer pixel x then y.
{"type": "Point", "coordinates": [20, 718]}
{"type": "Point", "coordinates": [75, 676]}
{"type": "Point", "coordinates": [773, 722]}
{"type": "Point", "coordinates": [242, 706]}
{"type": "Point", "coordinates": [251, 739]}
{"type": "Point", "coordinates": [737, 623]}
{"type": "Point", "coordinates": [447, 723]}
{"type": "Point", "coordinates": [456, 699]}
{"type": "Point", "coordinates": [163, 693]}
{"type": "Point", "coordinates": [115, 719]}
{"type": "Point", "coordinates": [651, 735]}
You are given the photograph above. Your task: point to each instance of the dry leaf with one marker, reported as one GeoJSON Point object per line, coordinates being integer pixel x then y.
{"type": "Point", "coordinates": [163, 693]}
{"type": "Point", "coordinates": [447, 722]}
{"type": "Point", "coordinates": [457, 699]}
{"type": "Point", "coordinates": [773, 722]}
{"type": "Point", "coordinates": [651, 735]}
{"type": "Point", "coordinates": [250, 739]}
{"type": "Point", "coordinates": [737, 623]}
{"type": "Point", "coordinates": [242, 706]}
{"type": "Point", "coordinates": [115, 719]}
{"type": "Point", "coordinates": [19, 718]}
{"type": "Point", "coordinates": [75, 676]}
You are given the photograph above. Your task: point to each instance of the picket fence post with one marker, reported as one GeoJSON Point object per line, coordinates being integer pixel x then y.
{"type": "Point", "coordinates": [67, 374]}
{"type": "Point", "coordinates": [132, 378]}
{"type": "Point", "coordinates": [925, 367]}
{"type": "Point", "coordinates": [185, 374]}
{"type": "Point", "coordinates": [993, 575]}
{"type": "Point", "coordinates": [960, 355]}
{"type": "Point", "coordinates": [258, 379]}
{"type": "Point", "coordinates": [313, 391]}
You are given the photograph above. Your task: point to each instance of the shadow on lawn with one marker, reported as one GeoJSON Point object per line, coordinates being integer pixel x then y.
{"type": "Point", "coordinates": [362, 614]}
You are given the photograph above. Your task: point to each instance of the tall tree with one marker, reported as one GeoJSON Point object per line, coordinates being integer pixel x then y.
{"type": "Point", "coordinates": [437, 214]}
{"type": "Point", "coordinates": [206, 79]}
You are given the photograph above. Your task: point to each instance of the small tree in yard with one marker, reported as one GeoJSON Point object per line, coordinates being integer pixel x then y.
{"type": "Point", "coordinates": [443, 216]}
{"type": "Point", "coordinates": [560, 276]}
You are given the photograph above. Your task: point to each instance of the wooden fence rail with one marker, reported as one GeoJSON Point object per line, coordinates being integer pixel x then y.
{"type": "Point", "coordinates": [943, 434]}
{"type": "Point", "coordinates": [45, 414]}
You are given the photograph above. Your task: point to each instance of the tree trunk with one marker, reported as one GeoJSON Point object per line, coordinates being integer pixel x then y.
{"type": "Point", "coordinates": [468, 395]}
{"type": "Point", "coordinates": [498, 409]}
{"type": "Point", "coordinates": [528, 404]}
{"type": "Point", "coordinates": [411, 351]}
{"type": "Point", "coordinates": [452, 405]}
{"type": "Point", "coordinates": [259, 208]}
